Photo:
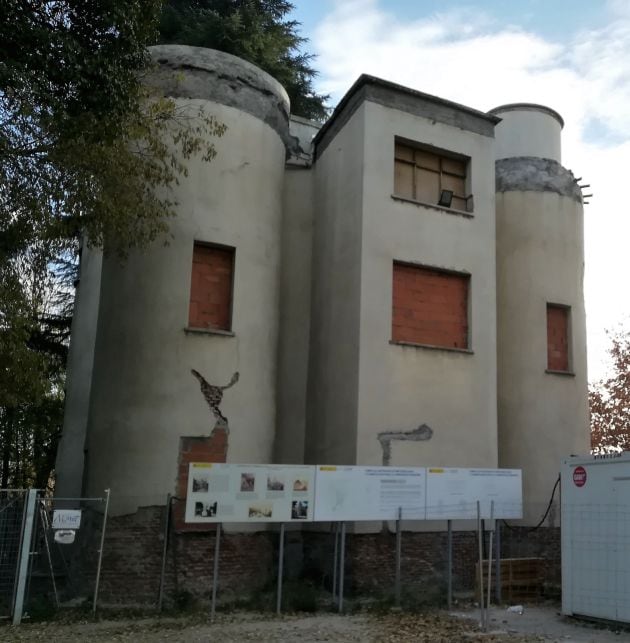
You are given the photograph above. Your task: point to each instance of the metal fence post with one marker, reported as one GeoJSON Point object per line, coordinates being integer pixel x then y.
{"type": "Point", "coordinates": [489, 565]}
{"type": "Point", "coordinates": [480, 542]}
{"type": "Point", "coordinates": [335, 563]}
{"type": "Point", "coordinates": [497, 563]}
{"type": "Point", "coordinates": [100, 552]}
{"type": "Point", "coordinates": [215, 571]}
{"type": "Point", "coordinates": [280, 569]}
{"type": "Point", "coordinates": [397, 588]}
{"type": "Point", "coordinates": [25, 554]}
{"type": "Point", "coordinates": [449, 564]}
{"type": "Point", "coordinates": [167, 526]}
{"type": "Point", "coordinates": [342, 564]}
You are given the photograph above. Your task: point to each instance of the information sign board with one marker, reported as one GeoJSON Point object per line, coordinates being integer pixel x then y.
{"type": "Point", "coordinates": [369, 493]}
{"type": "Point", "coordinates": [66, 519]}
{"type": "Point", "coordinates": [452, 493]}
{"type": "Point", "coordinates": [249, 493]}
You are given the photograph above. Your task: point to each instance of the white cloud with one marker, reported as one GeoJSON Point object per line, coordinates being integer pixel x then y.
{"type": "Point", "coordinates": [468, 57]}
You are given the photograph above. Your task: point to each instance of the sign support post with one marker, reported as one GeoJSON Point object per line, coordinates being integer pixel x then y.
{"type": "Point", "coordinates": [490, 564]}
{"type": "Point", "coordinates": [342, 565]}
{"type": "Point", "coordinates": [215, 572]}
{"type": "Point", "coordinates": [335, 562]}
{"type": "Point", "coordinates": [449, 564]}
{"type": "Point", "coordinates": [280, 569]}
{"type": "Point", "coordinates": [480, 539]}
{"type": "Point", "coordinates": [497, 563]}
{"type": "Point", "coordinates": [397, 588]}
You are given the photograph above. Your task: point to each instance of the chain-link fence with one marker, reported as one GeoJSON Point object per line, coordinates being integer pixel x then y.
{"type": "Point", "coordinates": [12, 505]}
{"type": "Point", "coordinates": [50, 552]}
{"type": "Point", "coordinates": [65, 553]}
{"type": "Point", "coordinates": [162, 561]}
{"type": "Point", "coordinates": [152, 558]}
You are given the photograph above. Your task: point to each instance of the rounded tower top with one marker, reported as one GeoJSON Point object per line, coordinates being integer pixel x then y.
{"type": "Point", "coordinates": [207, 74]}
{"type": "Point", "coordinates": [527, 129]}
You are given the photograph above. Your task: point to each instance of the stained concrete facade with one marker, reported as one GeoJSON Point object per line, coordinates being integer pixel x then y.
{"type": "Point", "coordinates": [316, 227]}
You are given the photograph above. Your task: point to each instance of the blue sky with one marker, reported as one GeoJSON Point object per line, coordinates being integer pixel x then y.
{"type": "Point", "coordinates": [572, 55]}
{"type": "Point", "coordinates": [551, 18]}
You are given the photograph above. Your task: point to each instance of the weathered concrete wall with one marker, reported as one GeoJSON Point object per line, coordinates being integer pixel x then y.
{"type": "Point", "coordinates": [528, 130]}
{"type": "Point", "coordinates": [295, 314]}
{"type": "Point", "coordinates": [540, 259]}
{"type": "Point", "coordinates": [144, 396]}
{"type": "Point", "coordinates": [70, 453]}
{"type": "Point", "coordinates": [214, 76]}
{"type": "Point", "coordinates": [401, 387]}
{"type": "Point", "coordinates": [534, 174]}
{"type": "Point", "coordinates": [335, 304]}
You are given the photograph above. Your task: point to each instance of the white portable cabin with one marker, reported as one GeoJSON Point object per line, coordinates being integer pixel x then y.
{"type": "Point", "coordinates": [596, 536]}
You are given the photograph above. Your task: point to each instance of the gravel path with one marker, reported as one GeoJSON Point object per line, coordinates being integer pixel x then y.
{"type": "Point", "coordinates": [537, 624]}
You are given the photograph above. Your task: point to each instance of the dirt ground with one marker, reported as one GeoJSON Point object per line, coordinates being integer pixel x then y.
{"type": "Point", "coordinates": [535, 624]}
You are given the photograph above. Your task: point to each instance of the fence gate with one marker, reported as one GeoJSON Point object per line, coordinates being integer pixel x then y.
{"type": "Point", "coordinates": [67, 544]}
{"type": "Point", "coordinates": [12, 517]}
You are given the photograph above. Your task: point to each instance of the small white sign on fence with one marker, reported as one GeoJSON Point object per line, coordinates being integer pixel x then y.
{"type": "Point", "coordinates": [66, 518]}
{"type": "Point", "coordinates": [65, 536]}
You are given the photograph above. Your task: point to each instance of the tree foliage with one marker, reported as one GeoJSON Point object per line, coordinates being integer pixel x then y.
{"type": "Point", "coordinates": [85, 150]}
{"type": "Point", "coordinates": [256, 30]}
{"type": "Point", "coordinates": [609, 400]}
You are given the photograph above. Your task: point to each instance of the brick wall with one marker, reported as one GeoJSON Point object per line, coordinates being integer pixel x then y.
{"type": "Point", "coordinates": [211, 448]}
{"type": "Point", "coordinates": [429, 307]}
{"type": "Point", "coordinates": [248, 562]}
{"type": "Point", "coordinates": [372, 561]}
{"type": "Point", "coordinates": [557, 338]}
{"type": "Point", "coordinates": [132, 561]}
{"type": "Point", "coordinates": [211, 287]}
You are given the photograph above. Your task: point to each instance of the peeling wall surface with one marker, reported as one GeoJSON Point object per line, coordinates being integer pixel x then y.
{"type": "Point", "coordinates": [316, 227]}
{"type": "Point", "coordinates": [533, 174]}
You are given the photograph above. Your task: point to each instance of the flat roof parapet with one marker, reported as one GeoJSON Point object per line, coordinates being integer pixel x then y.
{"type": "Point", "coordinates": [412, 101]}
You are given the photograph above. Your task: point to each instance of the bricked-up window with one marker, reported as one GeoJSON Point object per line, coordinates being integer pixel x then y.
{"type": "Point", "coordinates": [430, 306]}
{"type": "Point", "coordinates": [558, 337]}
{"type": "Point", "coordinates": [421, 175]}
{"type": "Point", "coordinates": [211, 287]}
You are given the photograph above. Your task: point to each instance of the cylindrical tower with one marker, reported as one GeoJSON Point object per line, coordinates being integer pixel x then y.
{"type": "Point", "coordinates": [541, 334]}
{"type": "Point", "coordinates": [208, 300]}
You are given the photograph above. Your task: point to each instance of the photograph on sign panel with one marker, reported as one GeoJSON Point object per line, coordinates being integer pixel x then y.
{"type": "Point", "coordinates": [274, 483]}
{"type": "Point", "coordinates": [301, 484]}
{"type": "Point", "coordinates": [205, 509]}
{"type": "Point", "coordinates": [200, 484]}
{"type": "Point", "coordinates": [248, 481]}
{"type": "Point", "coordinates": [260, 511]}
{"type": "Point", "coordinates": [299, 510]}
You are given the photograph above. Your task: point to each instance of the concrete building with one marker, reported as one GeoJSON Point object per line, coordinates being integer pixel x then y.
{"type": "Point", "coordinates": [402, 286]}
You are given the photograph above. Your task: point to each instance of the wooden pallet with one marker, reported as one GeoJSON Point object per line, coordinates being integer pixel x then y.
{"type": "Point", "coordinates": [521, 579]}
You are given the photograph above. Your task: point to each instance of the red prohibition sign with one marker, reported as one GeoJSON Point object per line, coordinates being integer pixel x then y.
{"type": "Point", "coordinates": [579, 476]}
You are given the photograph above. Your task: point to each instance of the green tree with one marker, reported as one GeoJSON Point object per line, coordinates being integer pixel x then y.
{"type": "Point", "coordinates": [609, 400]}
{"type": "Point", "coordinates": [256, 30]}
{"type": "Point", "coordinates": [85, 150]}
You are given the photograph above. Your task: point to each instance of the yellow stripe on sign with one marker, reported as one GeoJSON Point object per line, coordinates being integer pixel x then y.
{"type": "Point", "coordinates": [201, 465]}
{"type": "Point", "coordinates": [436, 470]}
{"type": "Point", "coordinates": [328, 468]}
